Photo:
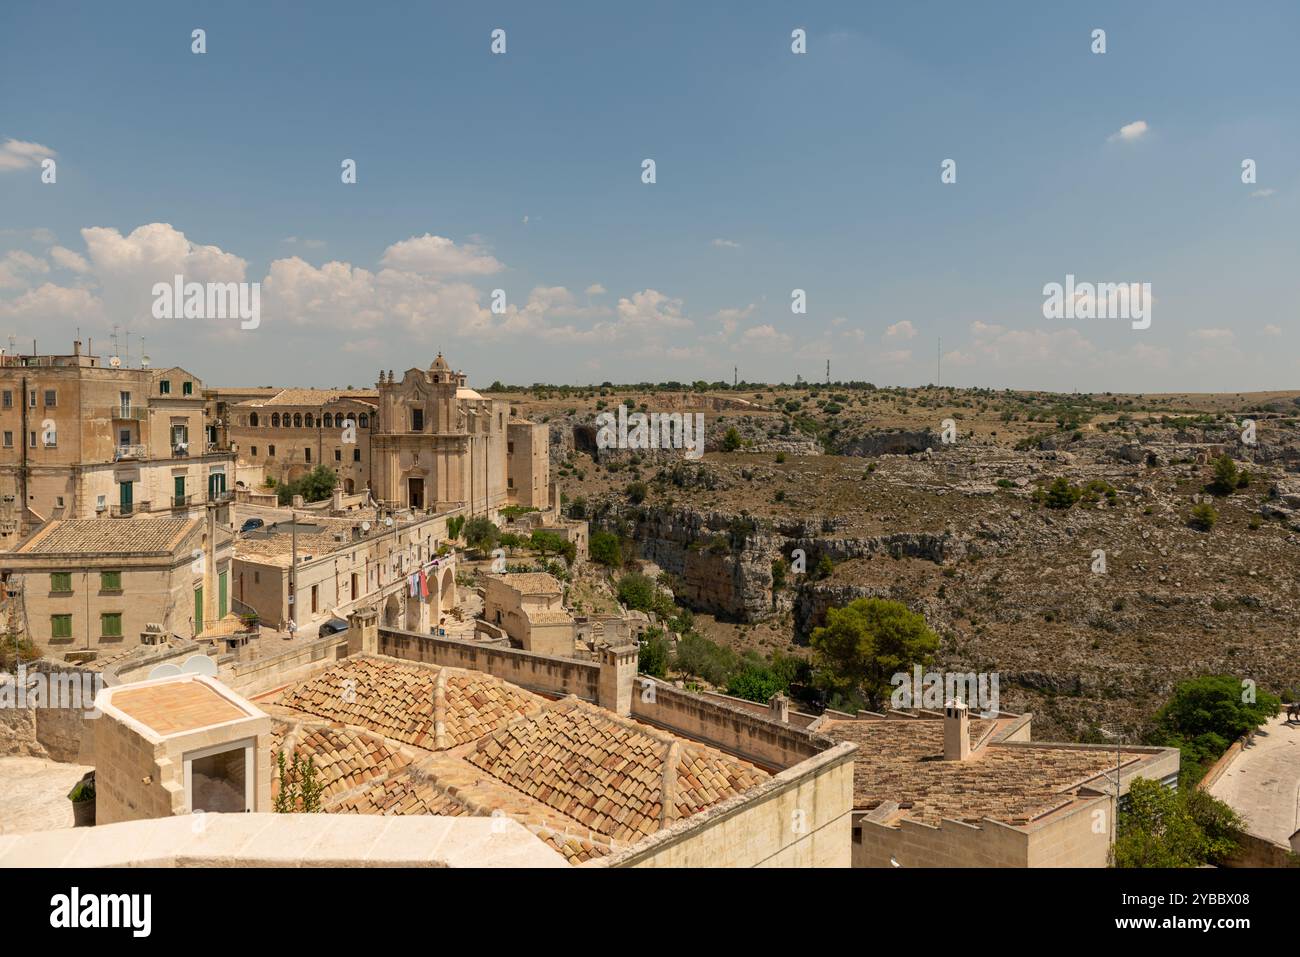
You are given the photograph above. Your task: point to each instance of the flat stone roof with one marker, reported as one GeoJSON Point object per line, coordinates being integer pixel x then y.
{"type": "Point", "coordinates": [175, 707]}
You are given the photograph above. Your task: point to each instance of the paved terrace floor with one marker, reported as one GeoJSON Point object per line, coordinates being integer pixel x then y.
{"type": "Point", "coordinates": [1263, 781]}
{"type": "Point", "coordinates": [34, 794]}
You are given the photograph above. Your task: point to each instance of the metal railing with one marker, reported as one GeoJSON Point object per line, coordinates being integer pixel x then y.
{"type": "Point", "coordinates": [130, 452]}
{"type": "Point", "coordinates": [126, 511]}
{"type": "Point", "coordinates": [133, 413]}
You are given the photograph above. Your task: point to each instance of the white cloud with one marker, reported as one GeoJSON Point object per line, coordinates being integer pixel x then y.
{"type": "Point", "coordinates": [1212, 335]}
{"type": "Point", "coordinates": [1129, 132]}
{"type": "Point", "coordinates": [306, 243]}
{"type": "Point", "coordinates": [1272, 330]}
{"type": "Point", "coordinates": [18, 267]}
{"type": "Point", "coordinates": [16, 154]}
{"type": "Point", "coordinates": [901, 330]}
{"type": "Point", "coordinates": [596, 289]}
{"type": "Point", "coordinates": [765, 338]}
{"type": "Point", "coordinates": [50, 303]}
{"type": "Point", "coordinates": [1263, 193]}
{"type": "Point", "coordinates": [726, 244]}
{"type": "Point", "coordinates": [69, 260]}
{"type": "Point", "coordinates": [438, 256]}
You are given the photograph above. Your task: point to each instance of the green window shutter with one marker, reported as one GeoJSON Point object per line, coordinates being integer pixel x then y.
{"type": "Point", "coordinates": [187, 388]}
{"type": "Point", "coordinates": [164, 387]}
{"type": "Point", "coordinates": [222, 596]}
{"type": "Point", "coordinates": [110, 581]}
{"type": "Point", "coordinates": [61, 581]}
{"type": "Point", "coordinates": [110, 624]}
{"type": "Point", "coordinates": [60, 626]}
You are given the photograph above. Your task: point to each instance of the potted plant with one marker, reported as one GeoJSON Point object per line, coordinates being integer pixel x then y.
{"type": "Point", "coordinates": [82, 797]}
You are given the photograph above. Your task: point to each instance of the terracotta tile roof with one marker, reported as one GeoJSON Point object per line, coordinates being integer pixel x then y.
{"type": "Point", "coordinates": [533, 583]}
{"type": "Point", "coordinates": [176, 706]}
{"type": "Point", "coordinates": [109, 535]}
{"type": "Point", "coordinates": [344, 759]}
{"type": "Point", "coordinates": [313, 397]}
{"type": "Point", "coordinates": [404, 701]}
{"type": "Point", "coordinates": [902, 760]}
{"type": "Point", "coordinates": [401, 794]}
{"type": "Point", "coordinates": [608, 774]}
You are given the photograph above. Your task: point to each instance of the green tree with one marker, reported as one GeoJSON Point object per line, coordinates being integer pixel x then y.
{"type": "Point", "coordinates": [480, 533]}
{"type": "Point", "coordinates": [756, 682]}
{"type": "Point", "coordinates": [316, 486]}
{"type": "Point", "coordinates": [636, 591]}
{"type": "Point", "coordinates": [1061, 494]}
{"type": "Point", "coordinates": [1203, 517]}
{"type": "Point", "coordinates": [454, 525]}
{"type": "Point", "coordinates": [605, 549]}
{"type": "Point", "coordinates": [1226, 475]}
{"type": "Point", "coordinates": [698, 656]}
{"type": "Point", "coordinates": [865, 643]}
{"type": "Point", "coordinates": [1159, 828]}
{"type": "Point", "coordinates": [653, 659]}
{"type": "Point", "coordinates": [731, 440]}
{"type": "Point", "coordinates": [1205, 715]}
{"type": "Point", "coordinates": [551, 543]}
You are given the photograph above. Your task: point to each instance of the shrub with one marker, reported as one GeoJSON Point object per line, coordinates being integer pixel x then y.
{"type": "Point", "coordinates": [1061, 494]}
{"type": "Point", "coordinates": [731, 440]}
{"type": "Point", "coordinates": [605, 549]}
{"type": "Point", "coordinates": [636, 591]}
{"type": "Point", "coordinates": [1203, 517]}
{"type": "Point", "coordinates": [480, 533]}
{"type": "Point", "coordinates": [636, 492]}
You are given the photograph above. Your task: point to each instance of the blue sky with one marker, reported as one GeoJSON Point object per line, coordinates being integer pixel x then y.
{"type": "Point", "coordinates": [775, 171]}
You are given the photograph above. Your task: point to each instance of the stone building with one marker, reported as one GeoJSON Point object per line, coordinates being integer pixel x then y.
{"type": "Point", "coordinates": [81, 437]}
{"type": "Point", "coordinates": [97, 584]}
{"type": "Point", "coordinates": [344, 564]}
{"type": "Point", "coordinates": [285, 435]}
{"type": "Point", "coordinates": [441, 445]}
{"type": "Point", "coordinates": [529, 608]}
{"type": "Point", "coordinates": [937, 789]}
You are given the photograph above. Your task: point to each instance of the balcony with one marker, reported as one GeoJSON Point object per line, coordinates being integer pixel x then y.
{"type": "Point", "coordinates": [124, 452]}
{"type": "Point", "coordinates": [181, 450]}
{"type": "Point", "coordinates": [127, 413]}
{"type": "Point", "coordinates": [181, 501]}
{"type": "Point", "coordinates": [126, 511]}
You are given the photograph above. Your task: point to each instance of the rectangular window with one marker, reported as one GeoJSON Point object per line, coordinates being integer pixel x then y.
{"type": "Point", "coordinates": [60, 626]}
{"type": "Point", "coordinates": [252, 449]}
{"type": "Point", "coordinates": [270, 449]}
{"type": "Point", "coordinates": [356, 455]}
{"type": "Point", "coordinates": [417, 420]}
{"type": "Point", "coordinates": [51, 398]}
{"type": "Point", "coordinates": [124, 403]}
{"type": "Point", "coordinates": [31, 398]}
{"type": "Point", "coordinates": [164, 386]}
{"type": "Point", "coordinates": [338, 455]}
{"type": "Point", "coordinates": [31, 440]}
{"type": "Point", "coordinates": [9, 440]}
{"type": "Point", "coordinates": [61, 583]}
{"type": "Point", "coordinates": [110, 581]}
{"type": "Point", "coordinates": [110, 624]}
{"type": "Point", "coordinates": [307, 452]}
{"type": "Point", "coordinates": [9, 399]}
{"type": "Point", "coordinates": [187, 388]}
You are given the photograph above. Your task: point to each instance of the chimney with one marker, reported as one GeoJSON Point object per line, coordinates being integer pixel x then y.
{"type": "Point", "coordinates": [956, 731]}
{"type": "Point", "coordinates": [779, 708]}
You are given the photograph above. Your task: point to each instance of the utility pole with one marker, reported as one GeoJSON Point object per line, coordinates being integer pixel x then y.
{"type": "Point", "coordinates": [828, 371]}
{"type": "Point", "coordinates": [938, 362]}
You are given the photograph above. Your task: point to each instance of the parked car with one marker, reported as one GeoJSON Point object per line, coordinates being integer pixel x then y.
{"type": "Point", "coordinates": [251, 525]}
{"type": "Point", "coordinates": [332, 626]}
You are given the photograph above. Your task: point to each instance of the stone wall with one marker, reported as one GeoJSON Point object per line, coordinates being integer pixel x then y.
{"type": "Point", "coordinates": [800, 818]}
{"type": "Point", "coordinates": [547, 674]}
{"type": "Point", "coordinates": [728, 727]}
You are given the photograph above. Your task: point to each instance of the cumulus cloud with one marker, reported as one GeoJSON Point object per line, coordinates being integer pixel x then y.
{"type": "Point", "coordinates": [901, 330]}
{"type": "Point", "coordinates": [69, 260]}
{"type": "Point", "coordinates": [18, 268]}
{"type": "Point", "coordinates": [1129, 132]}
{"type": "Point", "coordinates": [726, 244]}
{"type": "Point", "coordinates": [1212, 335]}
{"type": "Point", "coordinates": [439, 256]}
{"type": "Point", "coordinates": [765, 338]}
{"type": "Point", "coordinates": [1272, 330]}
{"type": "Point", "coordinates": [17, 154]}
{"type": "Point", "coordinates": [50, 303]}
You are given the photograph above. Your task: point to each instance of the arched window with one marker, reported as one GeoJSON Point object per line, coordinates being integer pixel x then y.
{"type": "Point", "coordinates": [252, 419]}
{"type": "Point", "coordinates": [329, 420]}
{"type": "Point", "coordinates": [364, 421]}
{"type": "Point", "coordinates": [306, 420]}
{"type": "Point", "coordinates": [297, 420]}
{"type": "Point", "coordinates": [275, 420]}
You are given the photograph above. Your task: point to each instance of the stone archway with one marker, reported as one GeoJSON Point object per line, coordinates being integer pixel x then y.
{"type": "Point", "coordinates": [392, 612]}
{"type": "Point", "coordinates": [447, 593]}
